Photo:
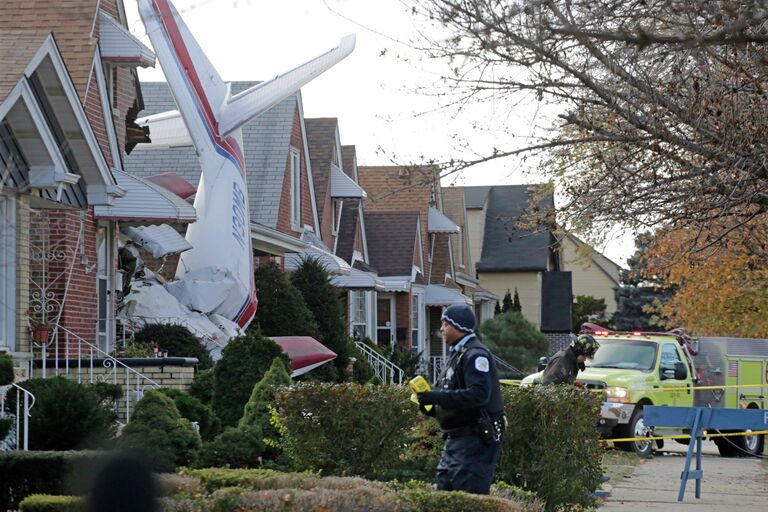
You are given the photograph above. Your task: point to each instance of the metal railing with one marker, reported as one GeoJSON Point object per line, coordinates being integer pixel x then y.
{"type": "Point", "coordinates": [22, 417]}
{"type": "Point", "coordinates": [436, 364]}
{"type": "Point", "coordinates": [386, 370]}
{"type": "Point", "coordinates": [74, 357]}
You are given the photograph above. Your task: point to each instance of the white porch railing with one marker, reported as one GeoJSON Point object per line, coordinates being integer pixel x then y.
{"type": "Point", "coordinates": [76, 358]}
{"type": "Point", "coordinates": [23, 406]}
{"type": "Point", "coordinates": [436, 364]}
{"type": "Point", "coordinates": [386, 370]}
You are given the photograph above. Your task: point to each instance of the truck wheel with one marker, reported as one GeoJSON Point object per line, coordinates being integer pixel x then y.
{"type": "Point", "coordinates": [750, 445]}
{"type": "Point", "coordinates": [726, 446]}
{"type": "Point", "coordinates": [637, 428]}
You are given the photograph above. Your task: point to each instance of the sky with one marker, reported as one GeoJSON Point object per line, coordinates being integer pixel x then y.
{"type": "Point", "coordinates": [373, 92]}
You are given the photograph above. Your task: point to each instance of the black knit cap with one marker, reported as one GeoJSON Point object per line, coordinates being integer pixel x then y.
{"type": "Point", "coordinates": [460, 316]}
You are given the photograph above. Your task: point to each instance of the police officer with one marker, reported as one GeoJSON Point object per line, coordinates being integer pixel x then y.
{"type": "Point", "coordinates": [564, 365]}
{"type": "Point", "coordinates": [468, 406]}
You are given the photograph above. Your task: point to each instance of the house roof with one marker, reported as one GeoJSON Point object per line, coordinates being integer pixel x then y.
{"type": "Point", "coordinates": [117, 44]}
{"type": "Point", "coordinates": [349, 161]}
{"type": "Point", "coordinates": [17, 47]}
{"type": "Point", "coordinates": [70, 21]}
{"type": "Point", "coordinates": [439, 295]}
{"type": "Point", "coordinates": [437, 222]}
{"type": "Point", "coordinates": [454, 208]}
{"type": "Point", "coordinates": [475, 197]}
{"type": "Point", "coordinates": [266, 142]}
{"type": "Point", "coordinates": [321, 139]}
{"type": "Point", "coordinates": [506, 248]}
{"type": "Point", "coordinates": [344, 187]}
{"type": "Point", "coordinates": [391, 241]}
{"type": "Point", "coordinates": [345, 242]}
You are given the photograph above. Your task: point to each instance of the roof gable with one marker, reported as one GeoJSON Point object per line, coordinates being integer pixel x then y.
{"type": "Point", "coordinates": [324, 150]}
{"type": "Point", "coordinates": [392, 239]}
{"type": "Point", "coordinates": [475, 197]}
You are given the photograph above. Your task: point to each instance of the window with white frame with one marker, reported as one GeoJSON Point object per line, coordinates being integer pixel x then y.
{"type": "Point", "coordinates": [415, 321]}
{"type": "Point", "coordinates": [7, 271]}
{"type": "Point", "coordinates": [358, 309]}
{"type": "Point", "coordinates": [295, 189]}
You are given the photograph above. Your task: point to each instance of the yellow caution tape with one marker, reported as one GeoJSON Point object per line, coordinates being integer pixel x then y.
{"type": "Point", "coordinates": [688, 388]}
{"type": "Point", "coordinates": [683, 436]}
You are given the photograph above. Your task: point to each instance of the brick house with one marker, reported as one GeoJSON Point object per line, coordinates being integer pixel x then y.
{"type": "Point", "coordinates": [432, 285]}
{"type": "Point", "coordinates": [69, 96]}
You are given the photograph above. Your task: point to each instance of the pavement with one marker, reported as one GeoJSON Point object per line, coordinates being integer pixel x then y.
{"type": "Point", "coordinates": [728, 484]}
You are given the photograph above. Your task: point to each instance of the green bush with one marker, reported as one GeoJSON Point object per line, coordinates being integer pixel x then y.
{"type": "Point", "coordinates": [67, 415]}
{"type": "Point", "coordinates": [282, 310]}
{"type": "Point", "coordinates": [202, 386]}
{"type": "Point", "coordinates": [271, 491]}
{"type": "Point", "coordinates": [5, 427]}
{"type": "Point", "coordinates": [48, 503]}
{"type": "Point", "coordinates": [194, 410]}
{"type": "Point", "coordinates": [6, 369]}
{"type": "Point", "coordinates": [257, 413]}
{"type": "Point", "coordinates": [322, 425]}
{"type": "Point", "coordinates": [236, 447]}
{"type": "Point", "coordinates": [243, 363]}
{"type": "Point", "coordinates": [551, 445]}
{"type": "Point", "coordinates": [177, 340]}
{"type": "Point", "coordinates": [362, 371]}
{"type": "Point", "coordinates": [25, 473]}
{"type": "Point", "coordinates": [324, 301]}
{"type": "Point", "coordinates": [158, 431]}
{"type": "Point", "coordinates": [514, 339]}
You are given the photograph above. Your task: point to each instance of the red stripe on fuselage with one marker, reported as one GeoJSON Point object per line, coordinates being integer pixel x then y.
{"type": "Point", "coordinates": [163, 10]}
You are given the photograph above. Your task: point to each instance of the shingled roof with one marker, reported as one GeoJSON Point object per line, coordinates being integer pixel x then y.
{"type": "Point", "coordinates": [71, 22]}
{"type": "Point", "coordinates": [349, 160]}
{"type": "Point", "coordinates": [321, 139]}
{"type": "Point", "coordinates": [506, 248]}
{"type": "Point", "coordinates": [266, 142]}
{"type": "Point", "coordinates": [392, 238]}
{"type": "Point", "coordinates": [17, 47]}
{"type": "Point", "coordinates": [345, 243]}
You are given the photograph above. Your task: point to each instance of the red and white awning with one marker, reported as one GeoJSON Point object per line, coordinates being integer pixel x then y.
{"type": "Point", "coordinates": [305, 352]}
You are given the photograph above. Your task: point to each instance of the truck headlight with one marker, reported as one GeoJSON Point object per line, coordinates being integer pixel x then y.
{"type": "Point", "coordinates": [617, 395]}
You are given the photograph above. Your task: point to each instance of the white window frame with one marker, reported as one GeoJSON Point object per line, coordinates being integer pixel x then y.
{"type": "Point", "coordinates": [416, 322]}
{"type": "Point", "coordinates": [8, 272]}
{"type": "Point", "coordinates": [295, 162]}
{"type": "Point", "coordinates": [358, 317]}
{"type": "Point", "coordinates": [336, 205]}
{"type": "Point", "coordinates": [461, 249]}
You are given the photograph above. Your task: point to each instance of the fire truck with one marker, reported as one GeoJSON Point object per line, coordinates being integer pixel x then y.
{"type": "Point", "coordinates": [637, 369]}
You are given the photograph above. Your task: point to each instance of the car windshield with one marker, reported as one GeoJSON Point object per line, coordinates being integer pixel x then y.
{"type": "Point", "coordinates": [625, 354]}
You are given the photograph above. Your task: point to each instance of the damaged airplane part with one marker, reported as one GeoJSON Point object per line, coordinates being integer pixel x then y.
{"type": "Point", "coordinates": [220, 238]}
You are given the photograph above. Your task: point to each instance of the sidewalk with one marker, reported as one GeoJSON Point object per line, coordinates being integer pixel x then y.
{"type": "Point", "coordinates": [728, 484]}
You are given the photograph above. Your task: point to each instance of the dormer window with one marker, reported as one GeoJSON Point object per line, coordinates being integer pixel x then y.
{"type": "Point", "coordinates": [295, 189]}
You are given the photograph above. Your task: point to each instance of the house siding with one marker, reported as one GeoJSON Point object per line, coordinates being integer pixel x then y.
{"type": "Point", "coordinates": [528, 286]}
{"type": "Point", "coordinates": [441, 261]}
{"type": "Point", "coordinates": [475, 231]}
{"type": "Point", "coordinates": [95, 115]}
{"type": "Point", "coordinates": [588, 278]}
{"type": "Point", "coordinates": [284, 213]}
{"type": "Point", "coordinates": [22, 273]}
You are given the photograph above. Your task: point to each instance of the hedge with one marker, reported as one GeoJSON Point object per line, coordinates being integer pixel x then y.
{"type": "Point", "coordinates": [551, 445]}
{"type": "Point", "coordinates": [177, 340]}
{"type": "Point", "coordinates": [6, 369]}
{"type": "Point", "coordinates": [47, 503]}
{"type": "Point", "coordinates": [324, 426]}
{"type": "Point", "coordinates": [25, 473]}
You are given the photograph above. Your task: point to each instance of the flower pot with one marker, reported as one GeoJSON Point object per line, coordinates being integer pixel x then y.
{"type": "Point", "coordinates": [40, 334]}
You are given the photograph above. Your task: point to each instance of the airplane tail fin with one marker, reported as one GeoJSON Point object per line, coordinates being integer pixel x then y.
{"type": "Point", "coordinates": [254, 101]}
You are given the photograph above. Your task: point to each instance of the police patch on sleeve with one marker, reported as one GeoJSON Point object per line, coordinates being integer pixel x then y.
{"type": "Point", "coordinates": [482, 364]}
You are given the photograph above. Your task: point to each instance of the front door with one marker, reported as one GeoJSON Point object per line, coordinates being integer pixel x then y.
{"type": "Point", "coordinates": [385, 320]}
{"type": "Point", "coordinates": [105, 322]}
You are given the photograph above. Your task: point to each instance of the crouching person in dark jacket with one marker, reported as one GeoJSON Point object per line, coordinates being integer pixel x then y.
{"type": "Point", "coordinates": [468, 406]}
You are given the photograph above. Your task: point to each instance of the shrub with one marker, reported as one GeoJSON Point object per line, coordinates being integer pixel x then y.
{"type": "Point", "coordinates": [195, 411]}
{"type": "Point", "coordinates": [25, 473]}
{"type": "Point", "coordinates": [257, 411]}
{"type": "Point", "coordinates": [551, 445]}
{"type": "Point", "coordinates": [323, 300]}
{"type": "Point", "coordinates": [243, 363]}
{"type": "Point", "coordinates": [282, 310]}
{"type": "Point", "coordinates": [514, 339]}
{"type": "Point", "coordinates": [6, 369]}
{"type": "Point", "coordinates": [422, 449]}
{"type": "Point", "coordinates": [177, 340]}
{"type": "Point", "coordinates": [321, 426]}
{"type": "Point", "coordinates": [158, 431]}
{"type": "Point", "coordinates": [5, 427]}
{"type": "Point", "coordinates": [67, 415]}
{"type": "Point", "coordinates": [362, 371]}
{"type": "Point", "coordinates": [202, 386]}
{"type": "Point", "coordinates": [47, 503]}
{"type": "Point", "coordinates": [239, 447]}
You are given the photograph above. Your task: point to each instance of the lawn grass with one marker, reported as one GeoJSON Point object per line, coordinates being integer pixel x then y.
{"type": "Point", "coordinates": [618, 464]}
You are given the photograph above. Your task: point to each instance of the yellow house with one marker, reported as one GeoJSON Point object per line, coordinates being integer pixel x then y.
{"type": "Point", "coordinates": [593, 273]}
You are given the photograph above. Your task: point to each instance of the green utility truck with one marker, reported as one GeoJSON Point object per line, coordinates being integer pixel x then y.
{"type": "Point", "coordinates": [638, 369]}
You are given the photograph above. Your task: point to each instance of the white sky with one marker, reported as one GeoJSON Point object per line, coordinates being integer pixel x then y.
{"type": "Point", "coordinates": [371, 92]}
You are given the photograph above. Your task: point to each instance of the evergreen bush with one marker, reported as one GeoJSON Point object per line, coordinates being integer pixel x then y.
{"type": "Point", "coordinates": [281, 311]}
{"type": "Point", "coordinates": [324, 301]}
{"type": "Point", "coordinates": [6, 369]}
{"type": "Point", "coordinates": [5, 427]}
{"type": "Point", "coordinates": [257, 411]}
{"type": "Point", "coordinates": [195, 411]}
{"type": "Point", "coordinates": [551, 445]}
{"type": "Point", "coordinates": [243, 363]}
{"type": "Point", "coordinates": [67, 415]}
{"type": "Point", "coordinates": [23, 473]}
{"type": "Point", "coordinates": [236, 447]}
{"type": "Point", "coordinates": [177, 340]}
{"type": "Point", "coordinates": [202, 386]}
{"type": "Point", "coordinates": [158, 431]}
{"type": "Point", "coordinates": [514, 339]}
{"type": "Point", "coordinates": [362, 371]}
{"type": "Point", "coordinates": [322, 427]}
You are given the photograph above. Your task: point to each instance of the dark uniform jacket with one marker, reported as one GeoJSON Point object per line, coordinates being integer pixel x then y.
{"type": "Point", "coordinates": [562, 368]}
{"type": "Point", "coordinates": [467, 385]}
